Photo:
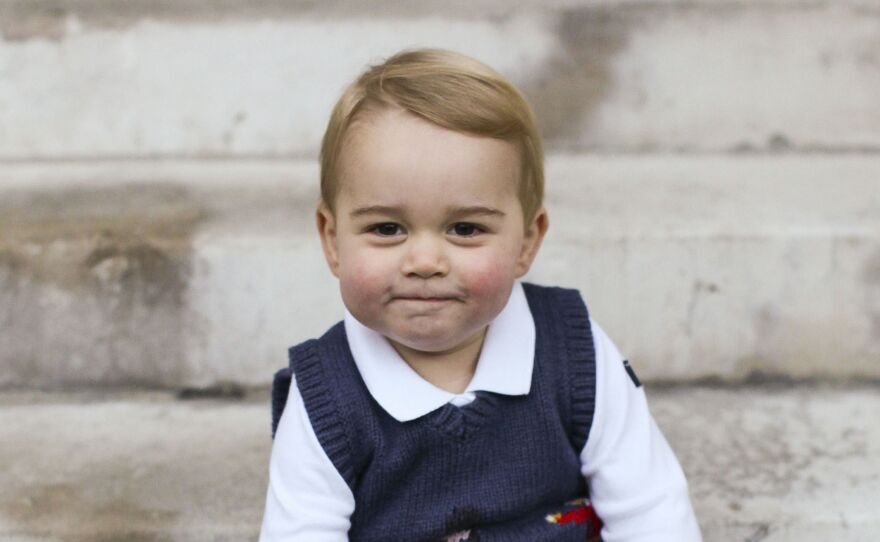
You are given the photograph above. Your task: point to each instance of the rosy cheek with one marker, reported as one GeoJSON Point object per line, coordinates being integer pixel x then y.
{"type": "Point", "coordinates": [362, 280]}
{"type": "Point", "coordinates": [487, 278]}
{"type": "Point", "coordinates": [356, 281]}
{"type": "Point", "coordinates": [356, 294]}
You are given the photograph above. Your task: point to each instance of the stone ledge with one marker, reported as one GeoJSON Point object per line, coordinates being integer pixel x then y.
{"type": "Point", "coordinates": [190, 274]}
{"type": "Point", "coordinates": [769, 464]}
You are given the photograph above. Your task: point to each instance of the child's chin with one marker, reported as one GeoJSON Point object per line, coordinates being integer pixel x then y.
{"type": "Point", "coordinates": [422, 344]}
{"type": "Point", "coordinates": [428, 342]}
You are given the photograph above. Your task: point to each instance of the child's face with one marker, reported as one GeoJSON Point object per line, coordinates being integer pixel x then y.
{"type": "Point", "coordinates": [428, 234]}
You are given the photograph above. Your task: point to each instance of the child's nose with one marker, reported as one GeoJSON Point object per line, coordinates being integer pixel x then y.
{"type": "Point", "coordinates": [425, 257]}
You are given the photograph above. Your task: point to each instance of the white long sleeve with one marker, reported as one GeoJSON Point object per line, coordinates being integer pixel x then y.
{"type": "Point", "coordinates": [307, 498]}
{"type": "Point", "coordinates": [636, 484]}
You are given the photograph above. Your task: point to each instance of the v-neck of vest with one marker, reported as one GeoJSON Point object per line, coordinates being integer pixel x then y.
{"type": "Point", "coordinates": [462, 421]}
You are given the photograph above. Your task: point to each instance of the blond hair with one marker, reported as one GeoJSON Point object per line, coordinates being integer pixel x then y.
{"type": "Point", "coordinates": [451, 90]}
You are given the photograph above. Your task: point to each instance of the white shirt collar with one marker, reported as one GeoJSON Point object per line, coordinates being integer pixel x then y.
{"type": "Point", "coordinates": [505, 364]}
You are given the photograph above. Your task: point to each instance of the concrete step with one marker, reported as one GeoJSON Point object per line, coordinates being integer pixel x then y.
{"type": "Point", "coordinates": [179, 273]}
{"type": "Point", "coordinates": [206, 79]}
{"type": "Point", "coordinates": [765, 463]}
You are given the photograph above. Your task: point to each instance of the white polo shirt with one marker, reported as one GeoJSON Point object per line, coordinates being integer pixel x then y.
{"type": "Point", "coordinates": [636, 484]}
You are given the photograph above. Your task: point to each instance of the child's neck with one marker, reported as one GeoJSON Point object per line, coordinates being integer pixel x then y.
{"type": "Point", "coordinates": [450, 370]}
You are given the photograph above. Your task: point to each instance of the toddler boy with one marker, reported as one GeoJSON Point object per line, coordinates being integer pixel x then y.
{"type": "Point", "coordinates": [454, 402]}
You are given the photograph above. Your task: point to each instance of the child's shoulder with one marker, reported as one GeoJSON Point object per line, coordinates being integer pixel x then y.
{"type": "Point", "coordinates": [546, 302]}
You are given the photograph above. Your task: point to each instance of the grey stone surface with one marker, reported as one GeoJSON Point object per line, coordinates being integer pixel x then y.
{"type": "Point", "coordinates": [89, 79]}
{"type": "Point", "coordinates": [770, 463]}
{"type": "Point", "coordinates": [778, 463]}
{"type": "Point", "coordinates": [194, 273]}
{"type": "Point", "coordinates": [99, 271]}
{"type": "Point", "coordinates": [712, 185]}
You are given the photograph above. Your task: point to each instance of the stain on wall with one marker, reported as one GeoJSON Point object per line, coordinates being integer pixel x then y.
{"type": "Point", "coordinates": [575, 80]}
{"type": "Point", "coordinates": [97, 276]}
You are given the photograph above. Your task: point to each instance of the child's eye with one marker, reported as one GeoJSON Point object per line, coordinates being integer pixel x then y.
{"type": "Point", "coordinates": [386, 229]}
{"type": "Point", "coordinates": [466, 229]}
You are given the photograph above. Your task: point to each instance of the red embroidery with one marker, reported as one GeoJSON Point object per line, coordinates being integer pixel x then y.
{"type": "Point", "coordinates": [578, 515]}
{"type": "Point", "coordinates": [584, 513]}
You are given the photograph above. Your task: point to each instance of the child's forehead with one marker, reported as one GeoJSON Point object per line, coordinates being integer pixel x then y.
{"type": "Point", "coordinates": [426, 189]}
{"type": "Point", "coordinates": [389, 193]}
{"type": "Point", "coordinates": [390, 132]}
{"type": "Point", "coordinates": [391, 147]}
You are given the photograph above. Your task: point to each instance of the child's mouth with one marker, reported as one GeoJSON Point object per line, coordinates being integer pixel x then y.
{"type": "Point", "coordinates": [425, 301]}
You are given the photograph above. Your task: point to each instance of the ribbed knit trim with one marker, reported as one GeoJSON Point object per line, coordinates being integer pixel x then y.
{"type": "Point", "coordinates": [323, 410]}
{"type": "Point", "coordinates": [479, 409]}
{"type": "Point", "coordinates": [280, 391]}
{"type": "Point", "coordinates": [582, 363]}
{"type": "Point", "coordinates": [449, 420]}
{"type": "Point", "coordinates": [462, 421]}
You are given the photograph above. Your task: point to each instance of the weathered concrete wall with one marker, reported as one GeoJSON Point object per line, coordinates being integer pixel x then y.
{"type": "Point", "coordinates": [194, 273]}
{"type": "Point", "coordinates": [85, 79]}
{"type": "Point", "coordinates": [713, 178]}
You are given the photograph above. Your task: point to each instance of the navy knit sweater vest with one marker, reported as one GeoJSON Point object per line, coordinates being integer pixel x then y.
{"type": "Point", "coordinates": [496, 467]}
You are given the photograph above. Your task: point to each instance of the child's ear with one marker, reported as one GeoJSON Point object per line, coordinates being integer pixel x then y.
{"type": "Point", "coordinates": [534, 235]}
{"type": "Point", "coordinates": [326, 223]}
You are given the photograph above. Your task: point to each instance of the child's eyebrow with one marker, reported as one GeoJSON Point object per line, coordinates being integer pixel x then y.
{"type": "Point", "coordinates": [453, 211]}
{"type": "Point", "coordinates": [375, 210]}
{"type": "Point", "coordinates": [478, 210]}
